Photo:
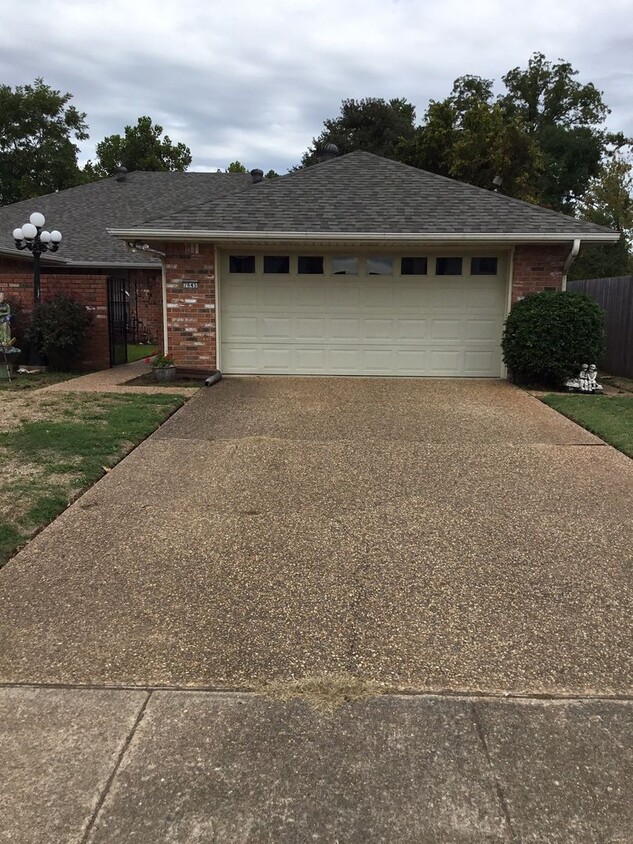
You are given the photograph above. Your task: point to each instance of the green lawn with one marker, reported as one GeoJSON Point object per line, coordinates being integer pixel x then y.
{"type": "Point", "coordinates": [53, 446]}
{"type": "Point", "coordinates": [35, 381]}
{"type": "Point", "coordinates": [609, 417]}
{"type": "Point", "coordinates": [137, 351]}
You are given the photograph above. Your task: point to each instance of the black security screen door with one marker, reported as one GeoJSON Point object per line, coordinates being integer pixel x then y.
{"type": "Point", "coordinates": [117, 320]}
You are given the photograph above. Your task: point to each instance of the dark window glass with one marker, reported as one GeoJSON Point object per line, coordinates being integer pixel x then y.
{"type": "Point", "coordinates": [310, 264]}
{"type": "Point", "coordinates": [276, 264]}
{"type": "Point", "coordinates": [448, 266]}
{"type": "Point", "coordinates": [483, 266]}
{"type": "Point", "coordinates": [242, 263]}
{"type": "Point", "coordinates": [413, 266]}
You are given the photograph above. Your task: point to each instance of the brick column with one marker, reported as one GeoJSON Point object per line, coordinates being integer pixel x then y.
{"type": "Point", "coordinates": [538, 268]}
{"type": "Point", "coordinates": [191, 310]}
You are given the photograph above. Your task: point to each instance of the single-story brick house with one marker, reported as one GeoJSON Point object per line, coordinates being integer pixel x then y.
{"type": "Point", "coordinates": [356, 266]}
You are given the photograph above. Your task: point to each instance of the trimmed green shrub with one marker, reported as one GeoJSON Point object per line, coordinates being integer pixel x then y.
{"type": "Point", "coordinates": [58, 330]}
{"type": "Point", "coordinates": [548, 336]}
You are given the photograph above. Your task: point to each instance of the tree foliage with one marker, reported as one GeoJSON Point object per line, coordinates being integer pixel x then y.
{"type": "Point", "coordinates": [236, 167]}
{"type": "Point", "coordinates": [141, 147]}
{"type": "Point", "coordinates": [543, 135]}
{"type": "Point", "coordinates": [608, 201]}
{"type": "Point", "coordinates": [37, 150]}
{"type": "Point", "coordinates": [370, 124]}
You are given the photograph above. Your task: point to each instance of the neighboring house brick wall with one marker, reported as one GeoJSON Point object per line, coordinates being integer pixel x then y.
{"type": "Point", "coordinates": [191, 312]}
{"type": "Point", "coordinates": [89, 289]}
{"type": "Point", "coordinates": [537, 268]}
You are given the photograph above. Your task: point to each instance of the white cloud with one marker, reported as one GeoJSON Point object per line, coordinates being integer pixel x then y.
{"type": "Point", "coordinates": [255, 81]}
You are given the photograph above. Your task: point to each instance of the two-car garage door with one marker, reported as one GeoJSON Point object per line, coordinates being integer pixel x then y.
{"type": "Point", "coordinates": [434, 316]}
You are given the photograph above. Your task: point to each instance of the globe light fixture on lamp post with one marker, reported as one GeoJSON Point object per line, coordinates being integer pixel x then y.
{"type": "Point", "coordinates": [34, 237]}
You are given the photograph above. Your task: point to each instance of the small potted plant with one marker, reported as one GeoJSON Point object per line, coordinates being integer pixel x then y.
{"type": "Point", "coordinates": [163, 366]}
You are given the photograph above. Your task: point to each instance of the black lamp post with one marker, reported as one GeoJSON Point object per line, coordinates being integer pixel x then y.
{"type": "Point", "coordinates": [34, 237]}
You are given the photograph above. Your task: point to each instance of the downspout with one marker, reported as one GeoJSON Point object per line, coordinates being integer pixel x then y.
{"type": "Point", "coordinates": [575, 249]}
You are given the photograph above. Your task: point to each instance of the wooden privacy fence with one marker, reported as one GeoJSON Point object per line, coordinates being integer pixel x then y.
{"type": "Point", "coordinates": [615, 295]}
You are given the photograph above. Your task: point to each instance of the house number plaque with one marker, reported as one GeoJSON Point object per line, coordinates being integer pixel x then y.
{"type": "Point", "coordinates": [190, 285]}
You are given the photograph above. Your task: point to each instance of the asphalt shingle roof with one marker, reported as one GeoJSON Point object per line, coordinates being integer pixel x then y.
{"type": "Point", "coordinates": [364, 193]}
{"type": "Point", "coordinates": [83, 213]}
{"type": "Point", "coordinates": [355, 193]}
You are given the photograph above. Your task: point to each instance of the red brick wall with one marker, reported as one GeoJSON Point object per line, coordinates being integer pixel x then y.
{"type": "Point", "coordinates": [537, 267]}
{"type": "Point", "coordinates": [89, 289]}
{"type": "Point", "coordinates": [191, 313]}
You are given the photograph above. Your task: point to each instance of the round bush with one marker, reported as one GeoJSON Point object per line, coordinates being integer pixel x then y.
{"type": "Point", "coordinates": [548, 336]}
{"type": "Point", "coordinates": [58, 330]}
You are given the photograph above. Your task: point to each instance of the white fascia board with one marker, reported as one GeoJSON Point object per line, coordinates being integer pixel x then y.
{"type": "Point", "coordinates": [369, 237]}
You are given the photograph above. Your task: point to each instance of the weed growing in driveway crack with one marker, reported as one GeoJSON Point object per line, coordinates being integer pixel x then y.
{"type": "Point", "coordinates": [324, 692]}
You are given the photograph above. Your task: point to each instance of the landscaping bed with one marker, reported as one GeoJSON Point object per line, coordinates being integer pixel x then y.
{"type": "Point", "coordinates": [53, 446]}
{"type": "Point", "coordinates": [609, 417]}
{"type": "Point", "coordinates": [184, 380]}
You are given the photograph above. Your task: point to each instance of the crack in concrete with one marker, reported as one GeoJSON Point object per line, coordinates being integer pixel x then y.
{"type": "Point", "coordinates": [106, 789]}
{"type": "Point", "coordinates": [500, 795]}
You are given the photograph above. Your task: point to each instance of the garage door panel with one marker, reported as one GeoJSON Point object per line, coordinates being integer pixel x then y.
{"type": "Point", "coordinates": [378, 329]}
{"type": "Point", "coordinates": [241, 328]}
{"type": "Point", "coordinates": [447, 329]}
{"type": "Point", "coordinates": [482, 329]}
{"type": "Point", "coordinates": [445, 362]}
{"type": "Point", "coordinates": [344, 329]}
{"type": "Point", "coordinates": [478, 363]}
{"type": "Point", "coordinates": [344, 361]}
{"type": "Point", "coordinates": [410, 329]}
{"type": "Point", "coordinates": [310, 328]}
{"type": "Point", "coordinates": [342, 295]}
{"type": "Point", "coordinates": [354, 325]}
{"type": "Point", "coordinates": [310, 360]}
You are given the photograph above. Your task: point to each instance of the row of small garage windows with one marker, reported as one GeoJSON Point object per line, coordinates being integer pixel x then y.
{"type": "Point", "coordinates": [350, 265]}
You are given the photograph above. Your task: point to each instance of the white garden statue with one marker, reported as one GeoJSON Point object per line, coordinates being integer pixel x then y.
{"type": "Point", "coordinates": [587, 381]}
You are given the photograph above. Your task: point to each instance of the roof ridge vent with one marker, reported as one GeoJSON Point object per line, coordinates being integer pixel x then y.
{"type": "Point", "coordinates": [121, 173]}
{"type": "Point", "coordinates": [257, 176]}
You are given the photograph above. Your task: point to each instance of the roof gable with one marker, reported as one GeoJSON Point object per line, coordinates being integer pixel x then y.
{"type": "Point", "coordinates": [362, 193]}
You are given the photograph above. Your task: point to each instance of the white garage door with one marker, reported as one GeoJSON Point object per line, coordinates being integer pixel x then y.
{"type": "Point", "coordinates": [390, 323]}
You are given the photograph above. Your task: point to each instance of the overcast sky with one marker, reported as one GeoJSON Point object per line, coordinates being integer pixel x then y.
{"type": "Point", "coordinates": [254, 81]}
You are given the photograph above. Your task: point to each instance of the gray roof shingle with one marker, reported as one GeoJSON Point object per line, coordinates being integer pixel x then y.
{"type": "Point", "coordinates": [364, 193]}
{"type": "Point", "coordinates": [83, 213]}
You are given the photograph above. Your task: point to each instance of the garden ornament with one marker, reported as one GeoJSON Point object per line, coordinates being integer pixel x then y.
{"type": "Point", "coordinates": [587, 381]}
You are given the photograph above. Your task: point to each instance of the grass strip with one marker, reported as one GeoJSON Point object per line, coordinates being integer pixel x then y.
{"type": "Point", "coordinates": [609, 417]}
{"type": "Point", "coordinates": [46, 463]}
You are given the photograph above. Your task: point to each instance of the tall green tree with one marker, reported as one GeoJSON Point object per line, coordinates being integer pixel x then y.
{"type": "Point", "coordinates": [469, 137]}
{"type": "Point", "coordinates": [37, 150]}
{"type": "Point", "coordinates": [372, 124]}
{"type": "Point", "coordinates": [141, 147]}
{"type": "Point", "coordinates": [236, 167]}
{"type": "Point", "coordinates": [608, 202]}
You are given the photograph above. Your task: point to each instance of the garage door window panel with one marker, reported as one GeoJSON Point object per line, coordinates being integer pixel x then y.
{"type": "Point", "coordinates": [277, 264]}
{"type": "Point", "coordinates": [483, 266]}
{"type": "Point", "coordinates": [380, 265]}
{"type": "Point", "coordinates": [310, 265]}
{"type": "Point", "coordinates": [413, 265]}
{"type": "Point", "coordinates": [448, 266]}
{"type": "Point", "coordinates": [241, 263]}
{"type": "Point", "coordinates": [344, 265]}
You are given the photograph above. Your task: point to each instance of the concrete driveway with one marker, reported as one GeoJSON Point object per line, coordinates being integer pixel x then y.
{"type": "Point", "coordinates": [433, 535]}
